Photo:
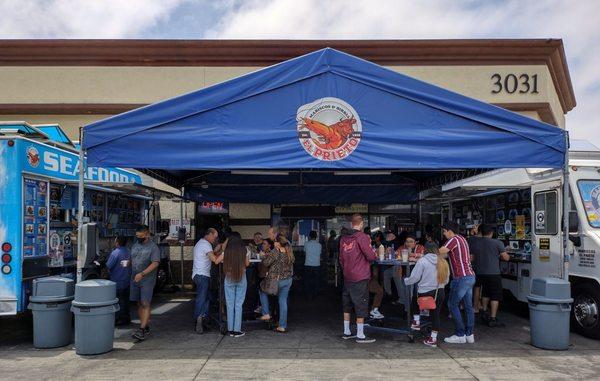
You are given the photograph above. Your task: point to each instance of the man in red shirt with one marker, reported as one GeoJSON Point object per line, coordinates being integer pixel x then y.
{"type": "Point", "coordinates": [461, 286]}
{"type": "Point", "coordinates": [356, 255]}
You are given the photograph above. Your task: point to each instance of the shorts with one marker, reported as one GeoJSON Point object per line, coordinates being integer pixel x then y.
{"type": "Point", "coordinates": [477, 280]}
{"type": "Point", "coordinates": [141, 292]}
{"type": "Point", "coordinates": [491, 286]}
{"type": "Point", "coordinates": [356, 296]}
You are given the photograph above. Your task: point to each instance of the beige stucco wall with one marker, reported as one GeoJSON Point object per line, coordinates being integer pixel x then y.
{"type": "Point", "coordinates": [60, 85]}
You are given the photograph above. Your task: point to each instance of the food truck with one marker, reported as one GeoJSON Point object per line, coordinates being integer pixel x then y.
{"type": "Point", "coordinates": [525, 207]}
{"type": "Point", "coordinates": [38, 208]}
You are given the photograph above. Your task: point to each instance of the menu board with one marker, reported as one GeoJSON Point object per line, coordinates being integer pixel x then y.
{"type": "Point", "coordinates": [35, 219]}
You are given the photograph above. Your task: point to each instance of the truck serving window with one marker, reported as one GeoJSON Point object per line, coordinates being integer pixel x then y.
{"type": "Point", "coordinates": [546, 213]}
{"type": "Point", "coordinates": [590, 195]}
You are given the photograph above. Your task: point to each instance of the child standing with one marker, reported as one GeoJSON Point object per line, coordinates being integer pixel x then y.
{"type": "Point", "coordinates": [432, 273]}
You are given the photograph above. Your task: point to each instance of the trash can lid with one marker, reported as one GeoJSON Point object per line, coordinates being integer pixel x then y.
{"type": "Point", "coordinates": [550, 290]}
{"type": "Point", "coordinates": [51, 289]}
{"type": "Point", "coordinates": [95, 292]}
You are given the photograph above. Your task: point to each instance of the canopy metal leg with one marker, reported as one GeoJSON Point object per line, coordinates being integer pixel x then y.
{"type": "Point", "coordinates": [81, 193]}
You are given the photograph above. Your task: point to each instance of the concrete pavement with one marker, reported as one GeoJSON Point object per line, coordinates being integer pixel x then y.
{"type": "Point", "coordinates": [312, 350]}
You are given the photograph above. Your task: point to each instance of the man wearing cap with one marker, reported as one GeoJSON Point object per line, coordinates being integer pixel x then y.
{"type": "Point", "coordinates": [461, 286]}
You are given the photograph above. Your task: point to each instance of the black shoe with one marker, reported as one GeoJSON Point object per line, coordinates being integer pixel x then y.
{"type": "Point", "coordinates": [239, 334]}
{"type": "Point", "coordinates": [365, 340]}
{"type": "Point", "coordinates": [137, 332]}
{"type": "Point", "coordinates": [494, 323]}
{"type": "Point", "coordinates": [347, 337]}
{"type": "Point", "coordinates": [231, 333]}
{"type": "Point", "coordinates": [200, 325]}
{"type": "Point", "coordinates": [485, 318]}
{"type": "Point", "coordinates": [141, 334]}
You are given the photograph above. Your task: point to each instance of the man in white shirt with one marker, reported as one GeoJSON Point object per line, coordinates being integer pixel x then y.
{"type": "Point", "coordinates": [204, 256]}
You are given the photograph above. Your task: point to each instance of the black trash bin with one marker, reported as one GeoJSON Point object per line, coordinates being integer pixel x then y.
{"type": "Point", "coordinates": [94, 307]}
{"type": "Point", "coordinates": [549, 313]}
{"type": "Point", "coordinates": [50, 304]}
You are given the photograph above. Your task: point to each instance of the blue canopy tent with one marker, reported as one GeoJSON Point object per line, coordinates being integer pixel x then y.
{"type": "Point", "coordinates": [301, 130]}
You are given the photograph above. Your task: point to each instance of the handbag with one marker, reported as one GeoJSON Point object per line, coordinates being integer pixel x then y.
{"type": "Point", "coordinates": [427, 302]}
{"type": "Point", "coordinates": [270, 286]}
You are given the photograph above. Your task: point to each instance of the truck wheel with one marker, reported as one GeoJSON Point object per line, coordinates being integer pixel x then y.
{"type": "Point", "coordinates": [585, 314]}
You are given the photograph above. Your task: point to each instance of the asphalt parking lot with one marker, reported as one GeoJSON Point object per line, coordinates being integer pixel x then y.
{"type": "Point", "coordinates": [311, 350]}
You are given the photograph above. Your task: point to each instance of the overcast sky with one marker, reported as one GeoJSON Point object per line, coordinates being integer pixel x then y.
{"type": "Point", "coordinates": [576, 22]}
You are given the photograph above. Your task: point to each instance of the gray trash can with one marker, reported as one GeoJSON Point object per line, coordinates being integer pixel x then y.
{"type": "Point", "coordinates": [50, 304]}
{"type": "Point", "coordinates": [549, 313]}
{"type": "Point", "coordinates": [94, 307]}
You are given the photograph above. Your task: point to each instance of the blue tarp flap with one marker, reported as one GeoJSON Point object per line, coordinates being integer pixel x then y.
{"type": "Point", "coordinates": [324, 110]}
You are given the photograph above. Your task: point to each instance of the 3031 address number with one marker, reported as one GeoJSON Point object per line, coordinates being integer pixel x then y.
{"type": "Point", "coordinates": [511, 83]}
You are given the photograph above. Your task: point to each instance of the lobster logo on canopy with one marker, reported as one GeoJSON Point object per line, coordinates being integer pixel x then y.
{"type": "Point", "coordinates": [329, 129]}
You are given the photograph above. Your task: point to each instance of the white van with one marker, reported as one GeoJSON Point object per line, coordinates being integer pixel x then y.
{"type": "Point", "coordinates": [526, 206]}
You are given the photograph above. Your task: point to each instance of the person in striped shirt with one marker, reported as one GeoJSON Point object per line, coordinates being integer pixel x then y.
{"type": "Point", "coordinates": [461, 286]}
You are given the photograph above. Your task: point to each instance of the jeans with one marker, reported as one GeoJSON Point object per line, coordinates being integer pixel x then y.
{"type": "Point", "coordinates": [202, 285]}
{"type": "Point", "coordinates": [235, 293]}
{"type": "Point", "coordinates": [462, 289]}
{"type": "Point", "coordinates": [123, 314]}
{"type": "Point", "coordinates": [284, 290]}
{"type": "Point", "coordinates": [312, 275]}
{"type": "Point", "coordinates": [388, 275]}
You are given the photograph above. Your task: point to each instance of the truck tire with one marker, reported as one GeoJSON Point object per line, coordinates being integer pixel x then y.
{"type": "Point", "coordinates": [585, 313]}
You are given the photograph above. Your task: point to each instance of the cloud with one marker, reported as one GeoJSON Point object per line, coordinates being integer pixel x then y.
{"type": "Point", "coordinates": [81, 18]}
{"type": "Point", "coordinates": [573, 21]}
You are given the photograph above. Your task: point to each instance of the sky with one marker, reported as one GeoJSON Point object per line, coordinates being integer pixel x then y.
{"type": "Point", "coordinates": [575, 21]}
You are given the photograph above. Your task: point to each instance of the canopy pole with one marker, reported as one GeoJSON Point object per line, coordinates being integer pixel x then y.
{"type": "Point", "coordinates": [566, 211]}
{"type": "Point", "coordinates": [181, 243]}
{"type": "Point", "coordinates": [81, 193]}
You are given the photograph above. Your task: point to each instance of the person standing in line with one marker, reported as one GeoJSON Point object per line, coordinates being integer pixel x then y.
{"type": "Point", "coordinates": [312, 265]}
{"type": "Point", "coordinates": [356, 255]}
{"type": "Point", "coordinates": [487, 261]}
{"type": "Point", "coordinates": [145, 258]}
{"type": "Point", "coordinates": [431, 273]}
{"type": "Point", "coordinates": [204, 257]}
{"type": "Point", "coordinates": [332, 245]}
{"type": "Point", "coordinates": [461, 286]}
{"type": "Point", "coordinates": [280, 268]}
{"type": "Point", "coordinates": [394, 244]}
{"type": "Point", "coordinates": [473, 242]}
{"type": "Point", "coordinates": [119, 266]}
{"type": "Point", "coordinates": [235, 262]}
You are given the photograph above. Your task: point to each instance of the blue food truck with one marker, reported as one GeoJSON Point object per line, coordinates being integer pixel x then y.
{"type": "Point", "coordinates": [38, 207]}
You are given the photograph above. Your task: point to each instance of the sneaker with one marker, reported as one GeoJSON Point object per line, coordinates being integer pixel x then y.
{"type": "Point", "coordinates": [231, 333]}
{"type": "Point", "coordinates": [425, 313]}
{"type": "Point", "coordinates": [137, 332]}
{"type": "Point", "coordinates": [238, 334]}
{"type": "Point", "coordinates": [430, 342]}
{"type": "Point", "coordinates": [258, 310]}
{"type": "Point", "coordinates": [365, 340]}
{"type": "Point", "coordinates": [141, 334]}
{"type": "Point", "coordinates": [455, 340]}
{"type": "Point", "coordinates": [415, 326]}
{"type": "Point", "coordinates": [470, 339]}
{"type": "Point", "coordinates": [397, 303]}
{"type": "Point", "coordinates": [494, 323]}
{"type": "Point", "coordinates": [347, 337]}
{"type": "Point", "coordinates": [485, 317]}
{"type": "Point", "coordinates": [200, 325]}
{"type": "Point", "coordinates": [376, 315]}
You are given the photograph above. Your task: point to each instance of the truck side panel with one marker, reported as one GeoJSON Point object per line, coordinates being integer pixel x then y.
{"type": "Point", "coordinates": [11, 225]}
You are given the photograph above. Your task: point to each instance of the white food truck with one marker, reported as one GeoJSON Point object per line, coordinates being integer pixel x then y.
{"type": "Point", "coordinates": [526, 207]}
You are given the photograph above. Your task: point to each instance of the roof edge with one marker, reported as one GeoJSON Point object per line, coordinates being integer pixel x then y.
{"type": "Point", "coordinates": [549, 52]}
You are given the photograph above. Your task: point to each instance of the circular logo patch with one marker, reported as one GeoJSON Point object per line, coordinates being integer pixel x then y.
{"type": "Point", "coordinates": [329, 129]}
{"type": "Point", "coordinates": [33, 156]}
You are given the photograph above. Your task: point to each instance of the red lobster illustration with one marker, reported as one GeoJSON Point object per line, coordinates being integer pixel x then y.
{"type": "Point", "coordinates": [333, 136]}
